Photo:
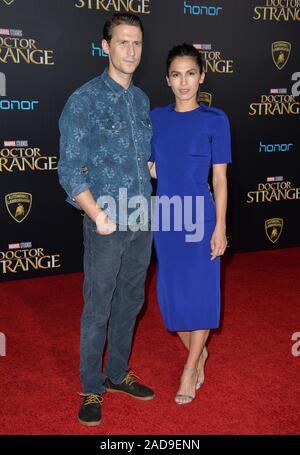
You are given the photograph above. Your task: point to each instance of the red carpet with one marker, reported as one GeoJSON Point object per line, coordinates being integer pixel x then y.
{"type": "Point", "coordinates": [252, 380]}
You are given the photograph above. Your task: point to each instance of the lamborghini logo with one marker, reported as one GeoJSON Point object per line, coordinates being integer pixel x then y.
{"type": "Point", "coordinates": [205, 98]}
{"type": "Point", "coordinates": [18, 205]}
{"type": "Point", "coordinates": [281, 51]}
{"type": "Point", "coordinates": [273, 228]}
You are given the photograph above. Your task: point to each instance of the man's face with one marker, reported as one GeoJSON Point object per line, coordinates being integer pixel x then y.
{"type": "Point", "coordinates": [124, 49]}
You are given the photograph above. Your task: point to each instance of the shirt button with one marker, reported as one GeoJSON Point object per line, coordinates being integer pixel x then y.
{"type": "Point", "coordinates": [139, 159]}
{"type": "Point", "coordinates": [141, 178]}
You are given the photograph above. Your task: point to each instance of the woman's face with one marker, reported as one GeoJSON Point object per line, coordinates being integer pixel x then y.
{"type": "Point", "coordinates": [184, 78]}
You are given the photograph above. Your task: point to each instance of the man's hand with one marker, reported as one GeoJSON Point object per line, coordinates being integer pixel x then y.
{"type": "Point", "coordinates": [104, 225]}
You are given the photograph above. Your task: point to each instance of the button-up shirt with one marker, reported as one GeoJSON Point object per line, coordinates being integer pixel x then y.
{"type": "Point", "coordinates": [105, 145]}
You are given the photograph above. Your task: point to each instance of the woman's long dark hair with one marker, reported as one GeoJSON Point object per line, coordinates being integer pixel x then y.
{"type": "Point", "coordinates": [184, 50]}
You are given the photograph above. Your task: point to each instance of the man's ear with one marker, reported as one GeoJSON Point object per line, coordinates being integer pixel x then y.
{"type": "Point", "coordinates": [105, 46]}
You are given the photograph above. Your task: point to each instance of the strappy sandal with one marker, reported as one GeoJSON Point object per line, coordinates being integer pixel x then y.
{"type": "Point", "coordinates": [187, 398]}
{"type": "Point", "coordinates": [200, 383]}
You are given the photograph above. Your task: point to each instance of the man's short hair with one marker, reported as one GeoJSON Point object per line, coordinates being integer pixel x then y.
{"type": "Point", "coordinates": [121, 19]}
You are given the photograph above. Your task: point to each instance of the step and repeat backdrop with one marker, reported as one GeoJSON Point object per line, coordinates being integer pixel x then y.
{"type": "Point", "coordinates": [48, 48]}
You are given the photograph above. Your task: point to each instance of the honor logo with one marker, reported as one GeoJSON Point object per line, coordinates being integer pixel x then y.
{"type": "Point", "coordinates": [98, 51]}
{"type": "Point", "coordinates": [16, 105]}
{"type": "Point", "coordinates": [269, 148]}
{"type": "Point", "coordinates": [197, 10]}
{"type": "Point", "coordinates": [7, 105]}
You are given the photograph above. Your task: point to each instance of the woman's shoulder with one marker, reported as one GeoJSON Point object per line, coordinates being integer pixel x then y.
{"type": "Point", "coordinates": [214, 113]}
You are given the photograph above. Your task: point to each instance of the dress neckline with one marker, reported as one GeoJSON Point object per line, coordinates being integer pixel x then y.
{"type": "Point", "coordinates": [172, 108]}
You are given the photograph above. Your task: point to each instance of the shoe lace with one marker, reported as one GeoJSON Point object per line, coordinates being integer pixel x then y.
{"type": "Point", "coordinates": [91, 398]}
{"type": "Point", "coordinates": [131, 378]}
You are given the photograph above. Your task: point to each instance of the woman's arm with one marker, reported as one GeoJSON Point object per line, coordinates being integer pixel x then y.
{"type": "Point", "coordinates": [219, 241]}
{"type": "Point", "coordinates": [152, 169]}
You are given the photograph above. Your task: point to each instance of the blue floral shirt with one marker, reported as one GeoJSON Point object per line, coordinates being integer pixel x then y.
{"type": "Point", "coordinates": [105, 144]}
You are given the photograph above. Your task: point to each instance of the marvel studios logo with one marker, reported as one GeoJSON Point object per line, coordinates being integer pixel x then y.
{"type": "Point", "coordinates": [16, 246]}
{"type": "Point", "coordinates": [15, 143]}
{"type": "Point", "coordinates": [281, 91]}
{"type": "Point", "coordinates": [202, 47]}
{"type": "Point", "coordinates": [275, 179]}
{"type": "Point", "coordinates": [10, 32]}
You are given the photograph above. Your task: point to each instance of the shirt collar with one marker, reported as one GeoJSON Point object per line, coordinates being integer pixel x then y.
{"type": "Point", "coordinates": [114, 86]}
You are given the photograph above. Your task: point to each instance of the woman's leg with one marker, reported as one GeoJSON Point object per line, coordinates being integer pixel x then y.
{"type": "Point", "coordinates": [196, 340]}
{"type": "Point", "coordinates": [185, 338]}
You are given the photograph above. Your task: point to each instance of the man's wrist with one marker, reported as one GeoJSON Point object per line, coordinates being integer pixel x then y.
{"type": "Point", "coordinates": [100, 216]}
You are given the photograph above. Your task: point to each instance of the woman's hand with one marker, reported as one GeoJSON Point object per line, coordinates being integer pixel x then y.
{"type": "Point", "coordinates": [218, 242]}
{"type": "Point", "coordinates": [152, 169]}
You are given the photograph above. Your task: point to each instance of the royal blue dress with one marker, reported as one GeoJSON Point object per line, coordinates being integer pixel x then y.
{"type": "Point", "coordinates": [184, 146]}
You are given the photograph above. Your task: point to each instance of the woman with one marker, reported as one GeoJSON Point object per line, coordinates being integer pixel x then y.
{"type": "Point", "coordinates": [189, 140]}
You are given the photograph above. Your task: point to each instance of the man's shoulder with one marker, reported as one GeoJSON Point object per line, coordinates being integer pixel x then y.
{"type": "Point", "coordinates": [80, 100]}
{"type": "Point", "coordinates": [92, 88]}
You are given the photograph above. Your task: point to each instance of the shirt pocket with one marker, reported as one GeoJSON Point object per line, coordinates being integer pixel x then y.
{"type": "Point", "coordinates": [145, 127]}
{"type": "Point", "coordinates": [109, 126]}
{"type": "Point", "coordinates": [115, 134]}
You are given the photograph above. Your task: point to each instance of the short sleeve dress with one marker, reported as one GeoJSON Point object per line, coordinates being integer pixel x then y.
{"type": "Point", "coordinates": [184, 146]}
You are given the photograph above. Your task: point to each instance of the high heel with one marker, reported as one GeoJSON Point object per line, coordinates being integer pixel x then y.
{"type": "Point", "coordinates": [200, 383]}
{"type": "Point", "coordinates": [187, 398]}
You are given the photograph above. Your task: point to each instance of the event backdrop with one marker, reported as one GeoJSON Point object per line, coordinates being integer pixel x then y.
{"type": "Point", "coordinates": [48, 48]}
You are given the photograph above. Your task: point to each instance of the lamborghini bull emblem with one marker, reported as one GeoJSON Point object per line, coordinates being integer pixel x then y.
{"type": "Point", "coordinates": [18, 205]}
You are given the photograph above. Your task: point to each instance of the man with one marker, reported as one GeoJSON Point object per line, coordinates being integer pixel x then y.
{"type": "Point", "coordinates": [105, 146]}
